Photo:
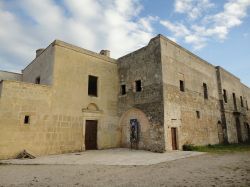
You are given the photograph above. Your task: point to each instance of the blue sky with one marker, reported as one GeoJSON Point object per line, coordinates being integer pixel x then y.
{"type": "Point", "coordinates": [217, 31]}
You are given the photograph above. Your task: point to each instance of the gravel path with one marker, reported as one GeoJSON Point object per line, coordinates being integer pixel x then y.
{"type": "Point", "coordinates": [204, 170]}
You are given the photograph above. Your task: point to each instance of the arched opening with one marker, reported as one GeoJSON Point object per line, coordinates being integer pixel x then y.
{"type": "Point", "coordinates": [92, 107]}
{"type": "Point", "coordinates": [127, 121]}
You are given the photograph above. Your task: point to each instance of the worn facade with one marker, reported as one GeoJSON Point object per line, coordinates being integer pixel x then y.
{"type": "Point", "coordinates": [71, 99]}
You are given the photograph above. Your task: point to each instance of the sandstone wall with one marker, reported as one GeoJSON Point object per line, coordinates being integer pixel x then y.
{"type": "Point", "coordinates": [4, 75]}
{"type": "Point", "coordinates": [73, 65]}
{"type": "Point", "coordinates": [42, 66]}
{"type": "Point", "coordinates": [147, 105]}
{"type": "Point", "coordinates": [232, 84]}
{"type": "Point", "coordinates": [180, 108]}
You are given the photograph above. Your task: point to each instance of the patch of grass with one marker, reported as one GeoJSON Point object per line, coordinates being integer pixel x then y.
{"type": "Point", "coordinates": [219, 148]}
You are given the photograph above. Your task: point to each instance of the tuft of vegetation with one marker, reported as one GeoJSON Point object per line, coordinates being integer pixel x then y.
{"type": "Point", "coordinates": [218, 148]}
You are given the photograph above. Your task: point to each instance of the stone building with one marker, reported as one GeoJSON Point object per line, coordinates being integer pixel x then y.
{"type": "Point", "coordinates": [70, 99]}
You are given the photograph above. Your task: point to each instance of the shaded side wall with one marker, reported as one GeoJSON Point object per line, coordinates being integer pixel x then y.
{"type": "Point", "coordinates": [73, 65]}
{"type": "Point", "coordinates": [180, 107]}
{"type": "Point", "coordinates": [232, 84]}
{"type": "Point", "coordinates": [5, 75]}
{"type": "Point", "coordinates": [42, 66]}
{"type": "Point", "coordinates": [145, 106]}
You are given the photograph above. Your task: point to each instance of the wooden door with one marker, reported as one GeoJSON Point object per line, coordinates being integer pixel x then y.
{"type": "Point", "coordinates": [174, 138]}
{"type": "Point", "coordinates": [91, 135]}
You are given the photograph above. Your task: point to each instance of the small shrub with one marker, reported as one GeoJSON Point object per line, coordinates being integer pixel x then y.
{"type": "Point", "coordinates": [188, 147]}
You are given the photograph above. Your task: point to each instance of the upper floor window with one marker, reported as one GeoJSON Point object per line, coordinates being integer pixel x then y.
{"type": "Point", "coordinates": [235, 102]}
{"type": "Point", "coordinates": [26, 120]}
{"type": "Point", "coordinates": [123, 89]}
{"type": "Point", "coordinates": [138, 87]}
{"type": "Point", "coordinates": [246, 104]}
{"type": "Point", "coordinates": [241, 101]}
{"type": "Point", "coordinates": [198, 114]}
{"type": "Point", "coordinates": [182, 86]}
{"type": "Point", "coordinates": [225, 95]}
{"type": "Point", "coordinates": [205, 91]}
{"type": "Point", "coordinates": [92, 86]}
{"type": "Point", "coordinates": [38, 80]}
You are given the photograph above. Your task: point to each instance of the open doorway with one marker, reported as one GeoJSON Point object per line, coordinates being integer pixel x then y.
{"type": "Point", "coordinates": [91, 135]}
{"type": "Point", "coordinates": [174, 138]}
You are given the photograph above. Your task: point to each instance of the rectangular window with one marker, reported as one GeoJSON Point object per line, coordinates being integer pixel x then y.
{"type": "Point", "coordinates": [138, 87]}
{"type": "Point", "coordinates": [26, 119]}
{"type": "Point", "coordinates": [246, 105]}
{"type": "Point", "coordinates": [241, 101]}
{"type": "Point", "coordinates": [92, 86]}
{"type": "Point", "coordinates": [182, 86]}
{"type": "Point", "coordinates": [235, 102]}
{"type": "Point", "coordinates": [225, 96]}
{"type": "Point", "coordinates": [38, 79]}
{"type": "Point", "coordinates": [205, 91]}
{"type": "Point", "coordinates": [198, 114]}
{"type": "Point", "coordinates": [123, 89]}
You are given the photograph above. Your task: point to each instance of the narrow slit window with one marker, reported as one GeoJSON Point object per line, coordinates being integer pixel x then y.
{"type": "Point", "coordinates": [225, 96]}
{"type": "Point", "coordinates": [198, 114]}
{"type": "Point", "coordinates": [138, 87]}
{"type": "Point", "coordinates": [26, 119]}
{"type": "Point", "coordinates": [235, 102]}
{"type": "Point", "coordinates": [182, 86]}
{"type": "Point", "coordinates": [123, 89]}
{"type": "Point", "coordinates": [241, 101]}
{"type": "Point", "coordinates": [205, 90]}
{"type": "Point", "coordinates": [38, 80]}
{"type": "Point", "coordinates": [92, 86]}
{"type": "Point", "coordinates": [246, 104]}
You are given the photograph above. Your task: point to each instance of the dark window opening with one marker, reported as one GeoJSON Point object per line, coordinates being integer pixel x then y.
{"type": "Point", "coordinates": [235, 102]}
{"type": "Point", "coordinates": [241, 101]}
{"type": "Point", "coordinates": [182, 87]}
{"type": "Point", "coordinates": [225, 96]}
{"type": "Point", "coordinates": [38, 80]}
{"type": "Point", "coordinates": [138, 87]}
{"type": "Point", "coordinates": [205, 91]}
{"type": "Point", "coordinates": [123, 89]}
{"type": "Point", "coordinates": [246, 105]}
{"type": "Point", "coordinates": [26, 119]}
{"type": "Point", "coordinates": [198, 114]}
{"type": "Point", "coordinates": [92, 87]}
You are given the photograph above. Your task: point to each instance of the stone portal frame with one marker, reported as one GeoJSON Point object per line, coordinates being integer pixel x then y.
{"type": "Point", "coordinates": [92, 112]}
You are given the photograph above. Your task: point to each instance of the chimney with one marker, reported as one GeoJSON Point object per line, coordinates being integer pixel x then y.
{"type": "Point", "coordinates": [105, 53]}
{"type": "Point", "coordinates": [38, 52]}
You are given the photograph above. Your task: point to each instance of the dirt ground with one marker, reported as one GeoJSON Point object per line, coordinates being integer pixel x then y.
{"type": "Point", "coordinates": [205, 170]}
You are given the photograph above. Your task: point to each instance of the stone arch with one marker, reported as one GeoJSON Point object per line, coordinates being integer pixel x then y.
{"type": "Point", "coordinates": [144, 125]}
{"type": "Point", "coordinates": [93, 107]}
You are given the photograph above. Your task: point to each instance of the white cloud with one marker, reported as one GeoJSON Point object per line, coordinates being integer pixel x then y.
{"type": "Point", "coordinates": [211, 26]}
{"type": "Point", "coordinates": [178, 29]}
{"type": "Point", "coordinates": [193, 8]}
{"type": "Point", "coordinates": [95, 25]}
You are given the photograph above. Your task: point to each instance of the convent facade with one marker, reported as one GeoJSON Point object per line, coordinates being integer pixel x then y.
{"type": "Point", "coordinates": [70, 99]}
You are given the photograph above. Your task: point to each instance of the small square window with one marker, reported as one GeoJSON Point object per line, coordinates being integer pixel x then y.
{"type": "Point", "coordinates": [182, 87]}
{"type": "Point", "coordinates": [198, 115]}
{"type": "Point", "coordinates": [92, 86]}
{"type": "Point", "coordinates": [123, 89]}
{"type": "Point", "coordinates": [26, 119]}
{"type": "Point", "coordinates": [138, 87]}
{"type": "Point", "coordinates": [38, 80]}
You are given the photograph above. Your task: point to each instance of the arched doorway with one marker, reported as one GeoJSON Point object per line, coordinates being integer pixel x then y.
{"type": "Point", "coordinates": [127, 120]}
